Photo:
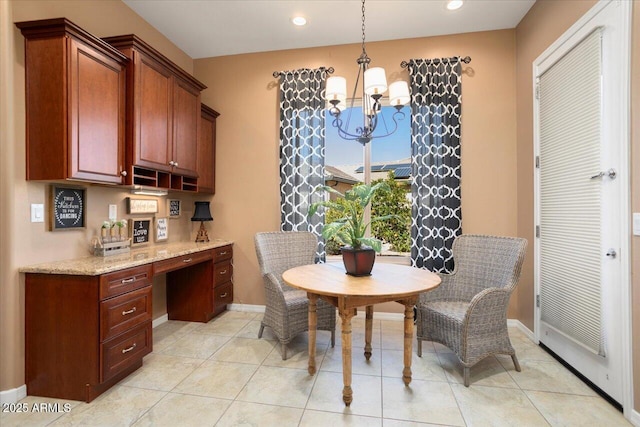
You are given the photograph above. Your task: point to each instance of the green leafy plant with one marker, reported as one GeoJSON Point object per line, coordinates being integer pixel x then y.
{"type": "Point", "coordinates": [397, 230]}
{"type": "Point", "coordinates": [350, 228]}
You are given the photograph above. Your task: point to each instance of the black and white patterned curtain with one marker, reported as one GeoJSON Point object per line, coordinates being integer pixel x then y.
{"type": "Point", "coordinates": [302, 150]}
{"type": "Point", "coordinates": [435, 161]}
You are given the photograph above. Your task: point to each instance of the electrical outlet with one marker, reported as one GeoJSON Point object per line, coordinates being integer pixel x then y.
{"type": "Point", "coordinates": [37, 212]}
{"type": "Point", "coordinates": [113, 212]}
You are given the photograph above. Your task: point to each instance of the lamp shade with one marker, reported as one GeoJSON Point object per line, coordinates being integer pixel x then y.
{"type": "Point", "coordinates": [202, 212]}
{"type": "Point", "coordinates": [336, 88]}
{"type": "Point", "coordinates": [375, 81]}
{"type": "Point", "coordinates": [398, 93]}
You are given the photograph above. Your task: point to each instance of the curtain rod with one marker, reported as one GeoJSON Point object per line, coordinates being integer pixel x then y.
{"type": "Point", "coordinates": [277, 74]}
{"type": "Point", "coordinates": [466, 60]}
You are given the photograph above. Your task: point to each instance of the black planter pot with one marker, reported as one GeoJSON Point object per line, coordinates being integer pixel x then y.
{"type": "Point", "coordinates": [358, 262]}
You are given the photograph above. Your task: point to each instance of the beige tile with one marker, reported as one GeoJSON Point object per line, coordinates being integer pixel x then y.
{"type": "Point", "coordinates": [570, 410]}
{"type": "Point", "coordinates": [223, 327]}
{"type": "Point", "coordinates": [239, 315]}
{"type": "Point", "coordinates": [258, 415]}
{"type": "Point", "coordinates": [217, 379]}
{"type": "Point", "coordinates": [323, 419]}
{"type": "Point", "coordinates": [359, 364]}
{"type": "Point", "coordinates": [34, 411]}
{"type": "Point", "coordinates": [487, 372]}
{"type": "Point", "coordinates": [244, 350]}
{"type": "Point", "coordinates": [357, 339]}
{"type": "Point", "coordinates": [327, 394]}
{"type": "Point", "coordinates": [184, 410]}
{"type": "Point", "coordinates": [161, 372]}
{"type": "Point", "coordinates": [162, 342]}
{"type": "Point", "coordinates": [426, 367]}
{"type": "Point", "coordinates": [196, 346]}
{"type": "Point", "coordinates": [549, 376]}
{"type": "Point", "coordinates": [421, 401]}
{"type": "Point", "coordinates": [427, 347]}
{"type": "Point", "coordinates": [251, 331]}
{"type": "Point", "coordinates": [278, 386]}
{"type": "Point", "coordinates": [494, 406]}
{"type": "Point", "coordinates": [297, 356]}
{"type": "Point", "coordinates": [387, 422]}
{"type": "Point", "coordinates": [528, 350]}
{"type": "Point", "coordinates": [120, 406]}
{"type": "Point", "coordinates": [174, 327]}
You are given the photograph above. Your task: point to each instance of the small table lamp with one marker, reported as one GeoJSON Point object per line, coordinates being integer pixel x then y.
{"type": "Point", "coordinates": [202, 214]}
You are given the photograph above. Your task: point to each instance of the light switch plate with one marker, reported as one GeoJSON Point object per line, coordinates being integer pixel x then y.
{"type": "Point", "coordinates": [37, 212]}
{"type": "Point", "coordinates": [113, 212]}
{"type": "Point", "coordinates": [636, 224]}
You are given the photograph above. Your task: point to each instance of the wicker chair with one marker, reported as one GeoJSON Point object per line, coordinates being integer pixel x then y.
{"type": "Point", "coordinates": [286, 311]}
{"type": "Point", "coordinates": [468, 311]}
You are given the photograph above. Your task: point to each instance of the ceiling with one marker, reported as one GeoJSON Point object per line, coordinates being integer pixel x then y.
{"type": "Point", "coordinates": [207, 28]}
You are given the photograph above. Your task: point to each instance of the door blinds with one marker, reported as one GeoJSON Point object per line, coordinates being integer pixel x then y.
{"type": "Point", "coordinates": [570, 201]}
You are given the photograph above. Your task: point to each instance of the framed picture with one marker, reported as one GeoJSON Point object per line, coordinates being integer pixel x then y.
{"type": "Point", "coordinates": [162, 229]}
{"type": "Point", "coordinates": [174, 208]}
{"type": "Point", "coordinates": [140, 231]}
{"type": "Point", "coordinates": [142, 206]}
{"type": "Point", "coordinates": [67, 208]}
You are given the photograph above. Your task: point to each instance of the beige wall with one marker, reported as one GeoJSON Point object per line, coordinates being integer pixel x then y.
{"type": "Point", "coordinates": [243, 90]}
{"type": "Point", "coordinates": [545, 22]}
{"type": "Point", "coordinates": [24, 243]}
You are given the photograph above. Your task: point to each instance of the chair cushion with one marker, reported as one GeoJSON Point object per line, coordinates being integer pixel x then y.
{"type": "Point", "coordinates": [454, 310]}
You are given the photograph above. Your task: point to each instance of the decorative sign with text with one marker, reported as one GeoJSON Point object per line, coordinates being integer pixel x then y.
{"type": "Point", "coordinates": [142, 206]}
{"type": "Point", "coordinates": [174, 208]}
{"type": "Point", "coordinates": [162, 229]}
{"type": "Point", "coordinates": [67, 208]}
{"type": "Point", "coordinates": [140, 231]}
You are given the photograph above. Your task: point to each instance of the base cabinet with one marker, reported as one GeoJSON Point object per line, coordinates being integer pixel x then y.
{"type": "Point", "coordinates": [85, 333]}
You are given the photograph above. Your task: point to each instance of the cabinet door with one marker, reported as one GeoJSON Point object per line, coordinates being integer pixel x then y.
{"type": "Point", "coordinates": [96, 115]}
{"type": "Point", "coordinates": [186, 122]}
{"type": "Point", "coordinates": [207, 151]}
{"type": "Point", "coordinates": [153, 114]}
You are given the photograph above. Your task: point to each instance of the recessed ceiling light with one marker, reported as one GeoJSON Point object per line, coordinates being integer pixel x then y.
{"type": "Point", "coordinates": [454, 4]}
{"type": "Point", "coordinates": [299, 21]}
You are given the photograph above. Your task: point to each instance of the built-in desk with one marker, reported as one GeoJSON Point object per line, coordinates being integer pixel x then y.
{"type": "Point", "coordinates": [88, 320]}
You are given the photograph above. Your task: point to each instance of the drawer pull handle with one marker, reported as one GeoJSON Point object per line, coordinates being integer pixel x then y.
{"type": "Point", "coordinates": [129, 280]}
{"type": "Point", "coordinates": [223, 272]}
{"type": "Point", "coordinates": [187, 260]}
{"type": "Point", "coordinates": [133, 310]}
{"type": "Point", "coordinates": [223, 295]}
{"type": "Point", "coordinates": [127, 350]}
{"type": "Point", "coordinates": [222, 253]}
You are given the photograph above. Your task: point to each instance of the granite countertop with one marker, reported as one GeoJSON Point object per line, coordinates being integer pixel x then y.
{"type": "Point", "coordinates": [96, 265]}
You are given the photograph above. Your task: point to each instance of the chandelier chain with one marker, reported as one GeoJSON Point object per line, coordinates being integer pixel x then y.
{"type": "Point", "coordinates": [363, 50]}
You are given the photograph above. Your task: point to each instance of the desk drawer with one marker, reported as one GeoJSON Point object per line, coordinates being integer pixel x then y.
{"type": "Point", "coordinates": [223, 295]}
{"type": "Point", "coordinates": [123, 281]}
{"type": "Point", "coordinates": [222, 272]}
{"type": "Point", "coordinates": [125, 350]}
{"type": "Point", "coordinates": [181, 261]}
{"type": "Point", "coordinates": [222, 253]}
{"type": "Point", "coordinates": [124, 312]}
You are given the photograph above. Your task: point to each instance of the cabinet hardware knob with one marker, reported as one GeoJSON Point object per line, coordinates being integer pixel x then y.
{"type": "Point", "coordinates": [223, 295]}
{"type": "Point", "coordinates": [129, 280]}
{"type": "Point", "coordinates": [175, 164]}
{"type": "Point", "coordinates": [127, 350]}
{"type": "Point", "coordinates": [187, 260]}
{"type": "Point", "coordinates": [171, 162]}
{"type": "Point", "coordinates": [133, 310]}
{"type": "Point", "coordinates": [223, 253]}
{"type": "Point", "coordinates": [223, 272]}
{"type": "Point", "coordinates": [123, 173]}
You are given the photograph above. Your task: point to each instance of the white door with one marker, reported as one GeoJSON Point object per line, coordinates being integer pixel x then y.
{"type": "Point", "coordinates": [581, 137]}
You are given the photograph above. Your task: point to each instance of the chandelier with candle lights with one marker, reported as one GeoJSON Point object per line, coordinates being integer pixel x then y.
{"type": "Point", "coordinates": [374, 85]}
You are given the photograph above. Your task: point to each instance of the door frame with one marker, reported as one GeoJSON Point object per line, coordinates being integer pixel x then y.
{"type": "Point", "coordinates": [624, 50]}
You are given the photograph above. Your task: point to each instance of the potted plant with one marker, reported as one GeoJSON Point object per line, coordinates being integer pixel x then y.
{"type": "Point", "coordinates": [358, 252]}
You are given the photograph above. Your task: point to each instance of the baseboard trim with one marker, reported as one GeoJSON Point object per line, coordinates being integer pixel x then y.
{"type": "Point", "coordinates": [634, 417]}
{"type": "Point", "coordinates": [14, 395]}
{"type": "Point", "coordinates": [515, 323]}
{"type": "Point", "coordinates": [160, 320]}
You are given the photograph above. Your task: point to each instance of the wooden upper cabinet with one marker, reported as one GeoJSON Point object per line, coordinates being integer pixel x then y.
{"type": "Point", "coordinates": [75, 104]}
{"type": "Point", "coordinates": [207, 151]}
{"type": "Point", "coordinates": [163, 109]}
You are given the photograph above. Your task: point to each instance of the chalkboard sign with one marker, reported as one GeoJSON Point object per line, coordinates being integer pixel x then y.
{"type": "Point", "coordinates": [140, 231]}
{"type": "Point", "coordinates": [175, 208]}
{"type": "Point", "coordinates": [67, 208]}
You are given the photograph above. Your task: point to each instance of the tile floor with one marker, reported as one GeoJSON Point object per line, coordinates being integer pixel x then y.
{"type": "Point", "coordinates": [220, 374]}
